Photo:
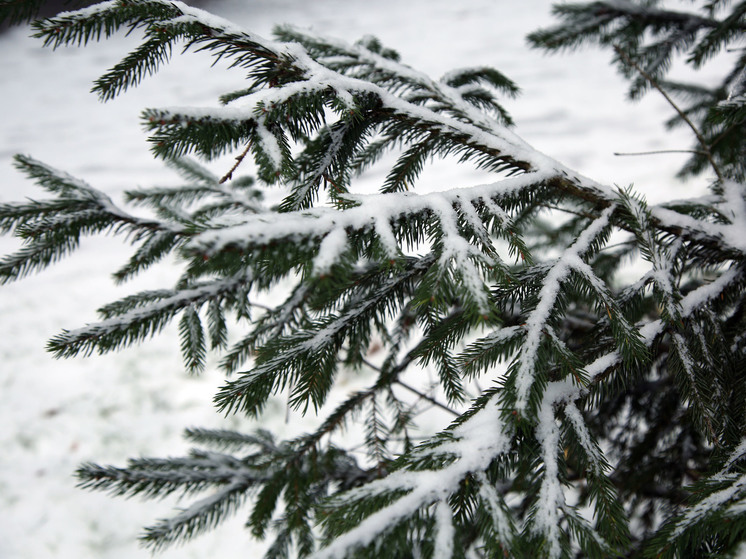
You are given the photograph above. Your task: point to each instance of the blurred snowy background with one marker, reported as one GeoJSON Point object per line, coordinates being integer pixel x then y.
{"type": "Point", "coordinates": [57, 414]}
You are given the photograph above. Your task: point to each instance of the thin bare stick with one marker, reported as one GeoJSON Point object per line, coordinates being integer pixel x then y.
{"type": "Point", "coordinates": [229, 175]}
{"type": "Point", "coordinates": [705, 148]}
{"type": "Point", "coordinates": [567, 210]}
{"type": "Point", "coordinates": [424, 396]}
{"type": "Point", "coordinates": [413, 390]}
{"type": "Point", "coordinates": [261, 306]}
{"type": "Point", "coordinates": [660, 151]}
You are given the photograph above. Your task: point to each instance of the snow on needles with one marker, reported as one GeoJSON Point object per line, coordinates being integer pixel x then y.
{"type": "Point", "coordinates": [689, 304]}
{"type": "Point", "coordinates": [551, 501]}
{"type": "Point", "coordinates": [475, 443]}
{"type": "Point", "coordinates": [560, 271]}
{"type": "Point", "coordinates": [376, 212]}
{"type": "Point", "coordinates": [330, 226]}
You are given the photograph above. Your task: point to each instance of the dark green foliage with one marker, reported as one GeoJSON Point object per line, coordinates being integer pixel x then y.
{"type": "Point", "coordinates": [595, 415]}
{"type": "Point", "coordinates": [653, 37]}
{"type": "Point", "coordinates": [17, 11]}
{"type": "Point", "coordinates": [275, 468]}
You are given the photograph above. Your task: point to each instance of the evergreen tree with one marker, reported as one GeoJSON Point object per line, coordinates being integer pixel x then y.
{"type": "Point", "coordinates": [612, 422]}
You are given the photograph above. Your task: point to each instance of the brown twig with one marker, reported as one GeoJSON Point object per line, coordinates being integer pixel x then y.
{"type": "Point", "coordinates": [229, 175]}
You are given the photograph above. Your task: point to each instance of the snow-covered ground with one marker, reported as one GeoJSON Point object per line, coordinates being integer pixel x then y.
{"type": "Point", "coordinates": [57, 414]}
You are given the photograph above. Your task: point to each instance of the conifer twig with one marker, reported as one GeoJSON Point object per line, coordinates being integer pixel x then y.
{"type": "Point", "coordinates": [659, 151]}
{"type": "Point", "coordinates": [568, 210]}
{"type": "Point", "coordinates": [705, 148]}
{"type": "Point", "coordinates": [229, 175]}
{"type": "Point", "coordinates": [413, 390]}
{"type": "Point", "coordinates": [424, 396]}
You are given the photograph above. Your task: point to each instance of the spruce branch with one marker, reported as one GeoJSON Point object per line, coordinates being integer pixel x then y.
{"type": "Point", "coordinates": [229, 175]}
{"type": "Point", "coordinates": [611, 401]}
{"type": "Point", "coordinates": [702, 142]}
{"type": "Point", "coordinates": [424, 396]}
{"type": "Point", "coordinates": [415, 391]}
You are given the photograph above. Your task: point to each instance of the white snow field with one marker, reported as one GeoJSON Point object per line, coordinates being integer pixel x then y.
{"type": "Point", "coordinates": [57, 414]}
